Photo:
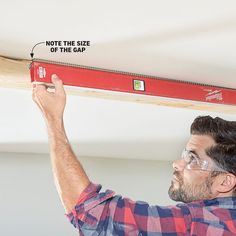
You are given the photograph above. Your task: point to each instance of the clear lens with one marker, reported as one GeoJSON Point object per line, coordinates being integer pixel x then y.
{"type": "Point", "coordinates": [194, 163]}
{"type": "Point", "coordinates": [189, 157]}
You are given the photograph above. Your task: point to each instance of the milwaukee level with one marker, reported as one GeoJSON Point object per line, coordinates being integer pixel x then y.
{"type": "Point", "coordinates": [96, 78]}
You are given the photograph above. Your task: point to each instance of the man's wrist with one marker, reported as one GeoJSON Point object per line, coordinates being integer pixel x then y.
{"type": "Point", "coordinates": [54, 121]}
{"type": "Point", "coordinates": [55, 125]}
{"type": "Point", "coordinates": [56, 132]}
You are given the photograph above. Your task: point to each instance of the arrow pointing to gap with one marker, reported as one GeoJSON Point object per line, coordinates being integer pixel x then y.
{"type": "Point", "coordinates": [32, 51]}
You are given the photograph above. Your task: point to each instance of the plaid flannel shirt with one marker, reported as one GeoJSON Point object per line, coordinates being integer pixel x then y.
{"type": "Point", "coordinates": [104, 213]}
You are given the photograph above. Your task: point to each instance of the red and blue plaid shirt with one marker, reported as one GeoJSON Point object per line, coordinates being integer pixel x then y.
{"type": "Point", "coordinates": [104, 213]}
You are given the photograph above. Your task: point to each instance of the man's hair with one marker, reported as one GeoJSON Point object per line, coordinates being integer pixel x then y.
{"type": "Point", "coordinates": [224, 134]}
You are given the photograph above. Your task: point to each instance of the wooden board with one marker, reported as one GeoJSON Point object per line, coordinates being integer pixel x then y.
{"type": "Point", "coordinates": [14, 73]}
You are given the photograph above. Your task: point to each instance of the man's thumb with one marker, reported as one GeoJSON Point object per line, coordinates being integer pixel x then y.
{"type": "Point", "coordinates": [57, 82]}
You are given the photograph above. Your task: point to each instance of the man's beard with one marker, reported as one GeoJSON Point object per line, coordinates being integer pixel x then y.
{"type": "Point", "coordinates": [185, 192]}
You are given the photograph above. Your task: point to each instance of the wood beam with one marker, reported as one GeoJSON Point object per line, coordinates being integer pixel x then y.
{"type": "Point", "coordinates": [14, 73]}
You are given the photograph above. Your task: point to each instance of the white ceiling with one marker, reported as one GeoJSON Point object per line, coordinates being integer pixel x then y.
{"type": "Point", "coordinates": [186, 40]}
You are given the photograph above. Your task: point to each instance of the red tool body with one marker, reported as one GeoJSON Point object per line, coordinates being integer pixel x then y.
{"type": "Point", "coordinates": [95, 78]}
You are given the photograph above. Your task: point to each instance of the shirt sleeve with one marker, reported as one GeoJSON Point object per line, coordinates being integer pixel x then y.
{"type": "Point", "coordinates": [104, 212]}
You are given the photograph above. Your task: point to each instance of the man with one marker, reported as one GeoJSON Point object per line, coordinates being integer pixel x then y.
{"type": "Point", "coordinates": [204, 179]}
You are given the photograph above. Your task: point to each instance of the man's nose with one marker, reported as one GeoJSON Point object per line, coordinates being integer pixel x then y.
{"type": "Point", "coordinates": [179, 165]}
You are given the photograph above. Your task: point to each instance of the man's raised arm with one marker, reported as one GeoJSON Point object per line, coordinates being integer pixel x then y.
{"type": "Point", "coordinates": [70, 177]}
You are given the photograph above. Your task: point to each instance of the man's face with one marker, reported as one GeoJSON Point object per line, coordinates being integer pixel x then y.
{"type": "Point", "coordinates": [190, 185]}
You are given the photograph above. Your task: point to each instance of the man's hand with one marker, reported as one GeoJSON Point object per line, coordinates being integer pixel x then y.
{"type": "Point", "coordinates": [52, 104]}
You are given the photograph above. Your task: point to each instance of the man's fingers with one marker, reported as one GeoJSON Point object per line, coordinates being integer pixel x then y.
{"type": "Point", "coordinates": [39, 87]}
{"type": "Point", "coordinates": [38, 90]}
{"type": "Point", "coordinates": [34, 96]}
{"type": "Point", "coordinates": [58, 84]}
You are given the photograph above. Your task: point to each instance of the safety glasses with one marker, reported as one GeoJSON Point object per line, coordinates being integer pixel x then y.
{"type": "Point", "coordinates": [193, 162]}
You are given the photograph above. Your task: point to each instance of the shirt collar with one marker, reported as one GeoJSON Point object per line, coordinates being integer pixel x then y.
{"type": "Point", "coordinates": [223, 202]}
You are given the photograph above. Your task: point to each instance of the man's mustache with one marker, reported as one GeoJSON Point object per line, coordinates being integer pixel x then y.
{"type": "Point", "coordinates": [177, 175]}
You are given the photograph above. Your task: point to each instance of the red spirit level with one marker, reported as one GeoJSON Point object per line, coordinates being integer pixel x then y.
{"type": "Point", "coordinates": [96, 78]}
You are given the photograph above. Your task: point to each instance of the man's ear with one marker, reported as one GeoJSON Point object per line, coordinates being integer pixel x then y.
{"type": "Point", "coordinates": [226, 182]}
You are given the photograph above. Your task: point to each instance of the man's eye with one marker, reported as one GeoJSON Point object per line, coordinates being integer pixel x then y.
{"type": "Point", "coordinates": [192, 158]}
